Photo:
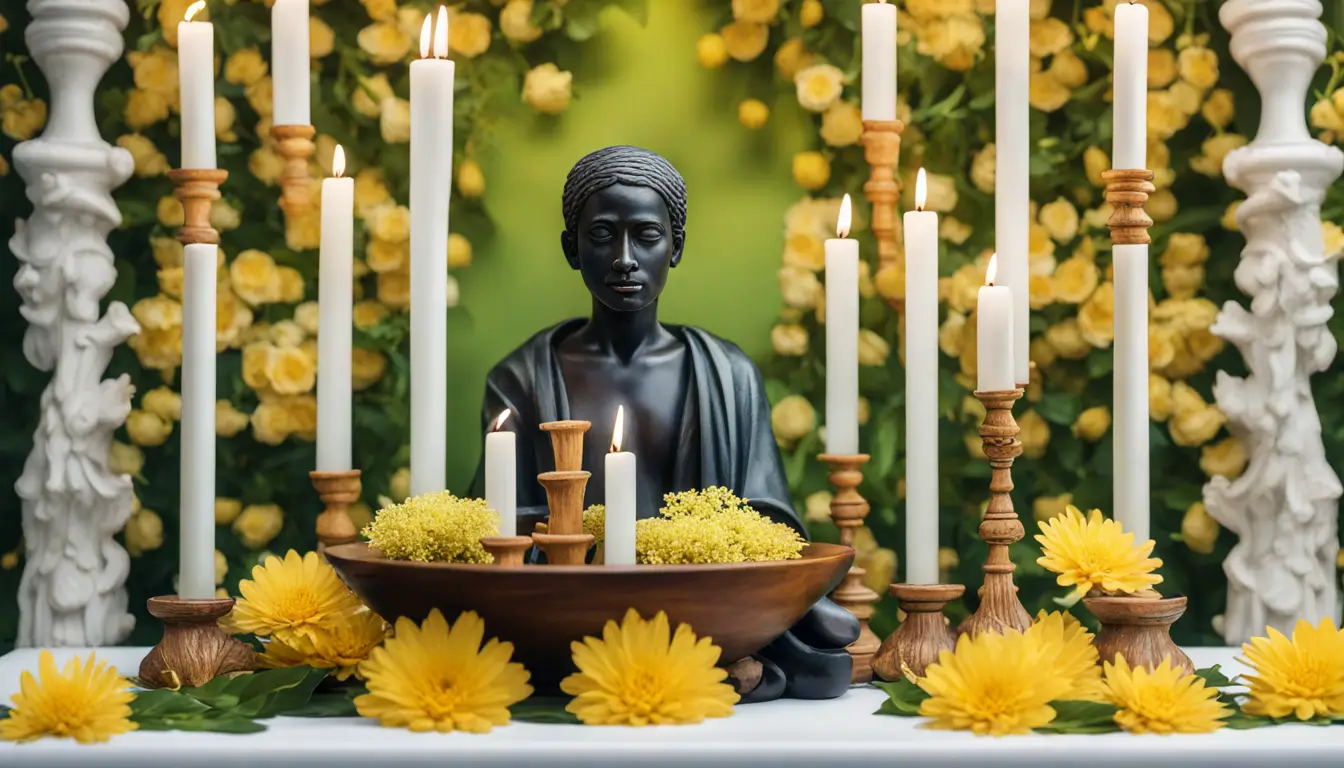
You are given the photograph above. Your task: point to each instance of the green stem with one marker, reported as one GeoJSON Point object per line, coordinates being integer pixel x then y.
{"type": "Point", "coordinates": [18, 61]}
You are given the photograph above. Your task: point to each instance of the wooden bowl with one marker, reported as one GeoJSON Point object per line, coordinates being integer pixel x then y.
{"type": "Point", "coordinates": [541, 609]}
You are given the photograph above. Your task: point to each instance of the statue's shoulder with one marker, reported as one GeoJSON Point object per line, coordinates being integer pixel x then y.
{"type": "Point", "coordinates": [520, 367]}
{"type": "Point", "coordinates": [722, 351]}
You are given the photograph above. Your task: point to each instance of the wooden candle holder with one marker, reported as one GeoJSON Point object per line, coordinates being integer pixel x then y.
{"type": "Point", "coordinates": [337, 490]}
{"type": "Point", "coordinates": [1128, 191]}
{"type": "Point", "coordinates": [923, 635]}
{"type": "Point", "coordinates": [507, 550]}
{"type": "Point", "coordinates": [882, 150]}
{"type": "Point", "coordinates": [295, 144]}
{"type": "Point", "coordinates": [564, 542]}
{"type": "Point", "coordinates": [567, 443]}
{"type": "Point", "coordinates": [194, 650]}
{"type": "Point", "coordinates": [1000, 608]}
{"type": "Point", "coordinates": [197, 189]}
{"type": "Point", "coordinates": [848, 510]}
{"type": "Point", "coordinates": [1139, 629]}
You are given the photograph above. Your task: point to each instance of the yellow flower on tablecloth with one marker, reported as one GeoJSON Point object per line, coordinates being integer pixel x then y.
{"type": "Point", "coordinates": [245, 67]}
{"type": "Point", "coordinates": [799, 287]}
{"type": "Point", "coordinates": [793, 418]}
{"type": "Point", "coordinates": [744, 41]}
{"type": "Point", "coordinates": [394, 120]}
{"type": "Point", "coordinates": [1164, 700]}
{"type": "Point", "coordinates": [1094, 553]}
{"type": "Point", "coordinates": [791, 58]}
{"type": "Point", "coordinates": [124, 459]}
{"type": "Point", "coordinates": [819, 86]}
{"type": "Point", "coordinates": [1199, 529]}
{"type": "Point", "coordinates": [811, 170]}
{"type": "Point", "coordinates": [292, 600]}
{"type": "Point", "coordinates": [789, 340]}
{"type": "Point", "coordinates": [149, 161]}
{"type": "Point", "coordinates": [86, 701]}
{"type": "Point", "coordinates": [711, 51]}
{"type": "Point", "coordinates": [167, 251]}
{"type": "Point", "coordinates": [1069, 645]}
{"type": "Point", "coordinates": [983, 168]}
{"type": "Point", "coordinates": [758, 11]}
{"type": "Point", "coordinates": [639, 673]}
{"type": "Point", "coordinates": [1092, 423]}
{"type": "Point", "coordinates": [993, 685]}
{"type": "Point", "coordinates": [385, 42]}
{"type": "Point", "coordinates": [468, 33]}
{"type": "Point", "coordinates": [811, 13]}
{"type": "Point", "coordinates": [255, 277]}
{"type": "Point", "coordinates": [146, 428]}
{"type": "Point", "coordinates": [548, 89]}
{"type": "Point", "coordinates": [258, 524]}
{"type": "Point", "coordinates": [340, 646]}
{"type": "Point", "coordinates": [143, 532]}
{"type": "Point", "coordinates": [438, 677]}
{"type": "Point", "coordinates": [753, 114]}
{"type": "Point", "coordinates": [1301, 678]}
{"type": "Point", "coordinates": [470, 179]}
{"type": "Point", "coordinates": [227, 510]}
{"type": "Point", "coordinates": [368, 314]}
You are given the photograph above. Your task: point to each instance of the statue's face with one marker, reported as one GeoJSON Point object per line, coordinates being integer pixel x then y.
{"type": "Point", "coordinates": [623, 246]}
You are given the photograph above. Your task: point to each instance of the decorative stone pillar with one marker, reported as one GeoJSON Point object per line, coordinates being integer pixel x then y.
{"type": "Point", "coordinates": [1285, 507]}
{"type": "Point", "coordinates": [73, 591]}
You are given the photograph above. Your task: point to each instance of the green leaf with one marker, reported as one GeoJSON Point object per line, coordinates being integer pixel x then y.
{"type": "Point", "coordinates": [1213, 677]}
{"type": "Point", "coordinates": [1059, 408]}
{"type": "Point", "coordinates": [1082, 717]}
{"type": "Point", "coordinates": [214, 724]}
{"type": "Point", "coordinates": [885, 439]}
{"type": "Point", "coordinates": [163, 703]}
{"type": "Point", "coordinates": [337, 703]}
{"type": "Point", "coordinates": [548, 710]}
{"type": "Point", "coordinates": [261, 694]}
{"type": "Point", "coordinates": [903, 698]}
{"type": "Point", "coordinates": [1240, 721]}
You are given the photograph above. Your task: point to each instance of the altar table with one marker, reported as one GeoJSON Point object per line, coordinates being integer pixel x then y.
{"type": "Point", "coordinates": [831, 734]}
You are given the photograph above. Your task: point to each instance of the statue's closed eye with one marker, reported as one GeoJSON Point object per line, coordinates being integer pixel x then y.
{"type": "Point", "coordinates": [651, 233]}
{"type": "Point", "coordinates": [600, 233]}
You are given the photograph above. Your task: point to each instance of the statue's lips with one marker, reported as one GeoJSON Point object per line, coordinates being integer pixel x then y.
{"type": "Point", "coordinates": [626, 287]}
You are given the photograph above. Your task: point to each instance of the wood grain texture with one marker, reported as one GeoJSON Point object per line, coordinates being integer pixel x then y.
{"type": "Point", "coordinates": [507, 550]}
{"type": "Point", "coordinates": [194, 650]}
{"type": "Point", "coordinates": [567, 443]}
{"type": "Point", "coordinates": [337, 490]}
{"type": "Point", "coordinates": [1128, 191]}
{"type": "Point", "coordinates": [848, 511]}
{"type": "Point", "coordinates": [295, 144]}
{"type": "Point", "coordinates": [197, 189]}
{"type": "Point", "coordinates": [923, 635]}
{"type": "Point", "coordinates": [1139, 629]}
{"type": "Point", "coordinates": [882, 151]}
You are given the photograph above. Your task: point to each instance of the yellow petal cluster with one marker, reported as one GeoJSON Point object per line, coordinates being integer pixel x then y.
{"type": "Point", "coordinates": [1300, 678]}
{"type": "Point", "coordinates": [293, 601]}
{"type": "Point", "coordinates": [1164, 700]}
{"type": "Point", "coordinates": [86, 701]}
{"type": "Point", "coordinates": [1095, 553]}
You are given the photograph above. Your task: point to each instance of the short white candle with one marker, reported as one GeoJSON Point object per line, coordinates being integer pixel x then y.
{"type": "Point", "coordinates": [1012, 184]}
{"type": "Point", "coordinates": [921, 390]}
{"type": "Point", "coordinates": [1131, 473]}
{"type": "Point", "coordinates": [501, 475]}
{"type": "Point", "coordinates": [290, 66]}
{"type": "Point", "coordinates": [196, 521]}
{"type": "Point", "coordinates": [431, 180]}
{"type": "Point", "coordinates": [994, 335]}
{"type": "Point", "coordinates": [619, 532]}
{"type": "Point", "coordinates": [879, 61]}
{"type": "Point", "coordinates": [196, 82]}
{"type": "Point", "coordinates": [1131, 87]}
{"type": "Point", "coordinates": [335, 290]}
{"type": "Point", "coordinates": [842, 338]}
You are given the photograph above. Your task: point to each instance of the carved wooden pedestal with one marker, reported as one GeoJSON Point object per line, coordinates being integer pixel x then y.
{"type": "Point", "coordinates": [923, 635]}
{"type": "Point", "coordinates": [194, 650]}
{"type": "Point", "coordinates": [848, 510]}
{"type": "Point", "coordinates": [338, 490]}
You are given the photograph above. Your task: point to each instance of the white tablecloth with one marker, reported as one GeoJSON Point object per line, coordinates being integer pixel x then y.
{"type": "Point", "coordinates": [832, 734]}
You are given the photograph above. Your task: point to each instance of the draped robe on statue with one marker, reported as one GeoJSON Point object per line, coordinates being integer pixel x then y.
{"type": "Point", "coordinates": [725, 439]}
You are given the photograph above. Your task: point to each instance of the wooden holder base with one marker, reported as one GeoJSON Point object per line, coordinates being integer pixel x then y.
{"type": "Point", "coordinates": [507, 550]}
{"type": "Point", "coordinates": [564, 498]}
{"type": "Point", "coordinates": [567, 442]}
{"type": "Point", "coordinates": [197, 189]}
{"type": "Point", "coordinates": [1139, 629]}
{"type": "Point", "coordinates": [1000, 607]}
{"type": "Point", "coordinates": [295, 144]}
{"type": "Point", "coordinates": [337, 490]}
{"type": "Point", "coordinates": [194, 650]}
{"type": "Point", "coordinates": [1128, 191]}
{"type": "Point", "coordinates": [924, 633]}
{"type": "Point", "coordinates": [882, 150]}
{"type": "Point", "coordinates": [564, 548]}
{"type": "Point", "coordinates": [848, 510]}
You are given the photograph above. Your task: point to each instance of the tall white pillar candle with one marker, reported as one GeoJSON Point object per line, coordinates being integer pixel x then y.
{"type": "Point", "coordinates": [196, 83]}
{"type": "Point", "coordinates": [879, 61]}
{"type": "Point", "coordinates": [196, 507]}
{"type": "Point", "coordinates": [921, 390]}
{"type": "Point", "coordinates": [1012, 185]}
{"type": "Point", "coordinates": [431, 177]}
{"type": "Point", "coordinates": [619, 531]}
{"type": "Point", "coordinates": [842, 339]}
{"type": "Point", "coordinates": [335, 291]}
{"type": "Point", "coordinates": [994, 335]}
{"type": "Point", "coordinates": [1131, 87]}
{"type": "Point", "coordinates": [1131, 389]}
{"type": "Point", "coordinates": [290, 65]}
{"type": "Point", "coordinates": [501, 475]}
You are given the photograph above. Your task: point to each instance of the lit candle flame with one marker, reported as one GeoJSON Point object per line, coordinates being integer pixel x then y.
{"type": "Point", "coordinates": [618, 432]}
{"type": "Point", "coordinates": [338, 162]}
{"type": "Point", "coordinates": [441, 34]}
{"type": "Point", "coordinates": [921, 190]}
{"type": "Point", "coordinates": [426, 35]}
{"type": "Point", "coordinates": [846, 215]}
{"type": "Point", "coordinates": [194, 9]}
{"type": "Point", "coordinates": [503, 417]}
{"type": "Point", "coordinates": [993, 270]}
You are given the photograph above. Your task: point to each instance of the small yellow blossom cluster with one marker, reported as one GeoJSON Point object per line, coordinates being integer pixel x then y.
{"type": "Point", "coordinates": [21, 116]}
{"type": "Point", "coordinates": [434, 528]}
{"type": "Point", "coordinates": [1327, 116]}
{"type": "Point", "coordinates": [712, 526]}
{"type": "Point", "coordinates": [595, 522]}
{"type": "Point", "coordinates": [950, 33]}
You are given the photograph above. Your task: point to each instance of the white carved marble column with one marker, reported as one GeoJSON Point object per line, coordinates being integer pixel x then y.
{"type": "Point", "coordinates": [73, 591]}
{"type": "Point", "coordinates": [1285, 508]}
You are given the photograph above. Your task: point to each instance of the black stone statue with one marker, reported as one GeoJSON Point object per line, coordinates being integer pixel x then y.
{"type": "Point", "coordinates": [696, 411]}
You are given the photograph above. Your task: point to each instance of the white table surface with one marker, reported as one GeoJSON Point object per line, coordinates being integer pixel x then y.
{"type": "Point", "coordinates": [842, 732]}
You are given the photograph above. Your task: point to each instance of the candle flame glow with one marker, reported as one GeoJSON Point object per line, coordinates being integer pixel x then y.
{"type": "Point", "coordinates": [426, 35]}
{"type": "Point", "coordinates": [441, 34]}
{"type": "Point", "coordinates": [921, 190]}
{"type": "Point", "coordinates": [503, 417]}
{"type": "Point", "coordinates": [194, 9]}
{"type": "Point", "coordinates": [338, 162]}
{"type": "Point", "coordinates": [993, 270]}
{"type": "Point", "coordinates": [618, 432]}
{"type": "Point", "coordinates": [846, 217]}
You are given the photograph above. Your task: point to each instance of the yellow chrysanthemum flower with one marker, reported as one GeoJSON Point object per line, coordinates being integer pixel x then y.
{"type": "Point", "coordinates": [635, 676]}
{"type": "Point", "coordinates": [87, 701]}
{"type": "Point", "coordinates": [993, 685]}
{"type": "Point", "coordinates": [1094, 552]}
{"type": "Point", "coordinates": [1162, 700]}
{"type": "Point", "coordinates": [436, 677]}
{"type": "Point", "coordinates": [1302, 677]}
{"type": "Point", "coordinates": [341, 647]}
{"type": "Point", "coordinates": [1069, 645]}
{"type": "Point", "coordinates": [292, 600]}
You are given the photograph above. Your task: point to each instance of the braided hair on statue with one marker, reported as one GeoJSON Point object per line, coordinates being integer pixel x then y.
{"type": "Point", "coordinates": [631, 166]}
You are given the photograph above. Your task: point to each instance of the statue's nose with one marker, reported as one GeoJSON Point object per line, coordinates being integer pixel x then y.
{"type": "Point", "coordinates": [625, 261]}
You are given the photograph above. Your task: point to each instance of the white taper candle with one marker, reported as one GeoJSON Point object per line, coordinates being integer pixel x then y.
{"type": "Point", "coordinates": [842, 338]}
{"type": "Point", "coordinates": [921, 390]}
{"type": "Point", "coordinates": [1131, 87]}
{"type": "Point", "coordinates": [196, 508]}
{"type": "Point", "coordinates": [335, 299]}
{"type": "Point", "coordinates": [501, 475]}
{"type": "Point", "coordinates": [994, 335]}
{"type": "Point", "coordinates": [196, 83]}
{"type": "Point", "coordinates": [1131, 467]}
{"type": "Point", "coordinates": [1012, 185]}
{"type": "Point", "coordinates": [879, 61]}
{"type": "Point", "coordinates": [619, 530]}
{"type": "Point", "coordinates": [290, 64]}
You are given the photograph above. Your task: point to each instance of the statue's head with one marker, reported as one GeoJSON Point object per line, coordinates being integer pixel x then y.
{"type": "Point", "coordinates": [625, 224]}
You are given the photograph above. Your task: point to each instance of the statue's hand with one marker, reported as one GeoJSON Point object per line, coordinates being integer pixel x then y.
{"type": "Point", "coordinates": [827, 626]}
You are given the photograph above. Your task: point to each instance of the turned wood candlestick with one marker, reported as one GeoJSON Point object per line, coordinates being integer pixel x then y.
{"type": "Point", "coordinates": [295, 144]}
{"type": "Point", "coordinates": [1000, 607]}
{"type": "Point", "coordinates": [848, 510]}
{"type": "Point", "coordinates": [1128, 191]}
{"type": "Point", "coordinates": [882, 151]}
{"type": "Point", "coordinates": [507, 550]}
{"type": "Point", "coordinates": [1139, 629]}
{"type": "Point", "coordinates": [567, 443]}
{"type": "Point", "coordinates": [564, 542]}
{"type": "Point", "coordinates": [197, 189]}
{"type": "Point", "coordinates": [194, 650]}
{"type": "Point", "coordinates": [923, 635]}
{"type": "Point", "coordinates": [337, 490]}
